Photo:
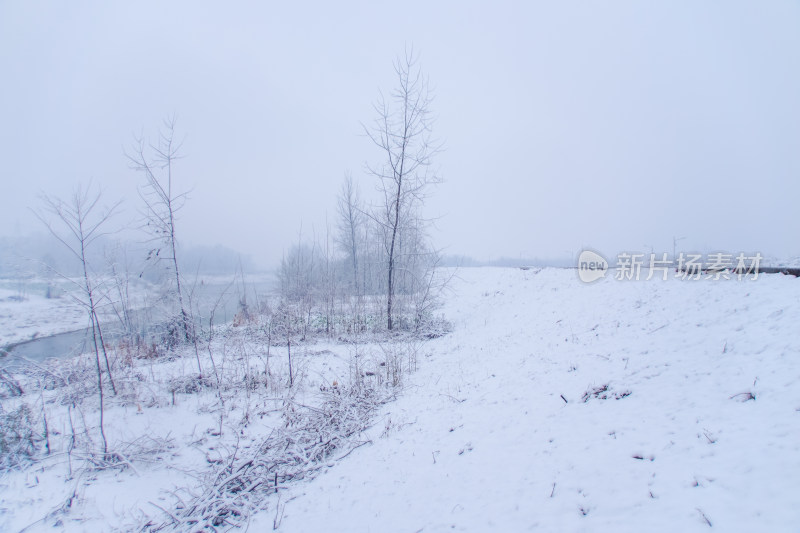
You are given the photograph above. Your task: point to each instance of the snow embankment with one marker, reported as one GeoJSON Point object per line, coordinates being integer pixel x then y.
{"type": "Point", "coordinates": [559, 406]}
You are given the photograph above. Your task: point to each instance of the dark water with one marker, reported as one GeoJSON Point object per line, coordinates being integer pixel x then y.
{"type": "Point", "coordinates": [43, 348]}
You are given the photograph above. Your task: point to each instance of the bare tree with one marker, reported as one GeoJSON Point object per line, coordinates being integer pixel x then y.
{"type": "Point", "coordinates": [162, 203]}
{"type": "Point", "coordinates": [82, 222]}
{"type": "Point", "coordinates": [351, 217]}
{"type": "Point", "coordinates": [119, 267]}
{"type": "Point", "coordinates": [298, 277]}
{"type": "Point", "coordinates": [402, 131]}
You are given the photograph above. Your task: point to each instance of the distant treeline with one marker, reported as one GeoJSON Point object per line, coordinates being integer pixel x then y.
{"type": "Point", "coordinates": [39, 254]}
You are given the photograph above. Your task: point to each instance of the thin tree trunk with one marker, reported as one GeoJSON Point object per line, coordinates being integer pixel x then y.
{"type": "Point", "coordinates": [99, 387]}
{"type": "Point", "coordinates": [394, 237]}
{"type": "Point", "coordinates": [289, 350]}
{"type": "Point", "coordinates": [93, 315]}
{"type": "Point", "coordinates": [105, 354]}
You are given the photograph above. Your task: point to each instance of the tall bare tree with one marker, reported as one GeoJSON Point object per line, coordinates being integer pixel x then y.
{"type": "Point", "coordinates": [402, 132]}
{"type": "Point", "coordinates": [77, 224]}
{"type": "Point", "coordinates": [162, 203]}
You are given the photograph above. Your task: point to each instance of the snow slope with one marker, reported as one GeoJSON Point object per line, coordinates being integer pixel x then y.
{"type": "Point", "coordinates": [482, 439]}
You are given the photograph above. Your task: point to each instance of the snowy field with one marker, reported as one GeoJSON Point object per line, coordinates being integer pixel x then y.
{"type": "Point", "coordinates": [483, 441]}
{"type": "Point", "coordinates": [552, 406]}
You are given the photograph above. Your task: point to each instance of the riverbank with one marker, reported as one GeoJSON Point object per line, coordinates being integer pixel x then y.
{"type": "Point", "coordinates": [29, 315]}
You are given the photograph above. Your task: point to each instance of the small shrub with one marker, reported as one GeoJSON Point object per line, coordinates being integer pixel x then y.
{"type": "Point", "coordinates": [18, 439]}
{"type": "Point", "coordinates": [190, 384]}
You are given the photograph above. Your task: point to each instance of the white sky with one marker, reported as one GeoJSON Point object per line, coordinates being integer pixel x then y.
{"type": "Point", "coordinates": [614, 125]}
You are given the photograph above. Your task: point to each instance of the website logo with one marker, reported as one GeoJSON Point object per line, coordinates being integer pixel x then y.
{"type": "Point", "coordinates": [591, 266]}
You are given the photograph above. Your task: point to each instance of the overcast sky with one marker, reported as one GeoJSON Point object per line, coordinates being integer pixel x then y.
{"type": "Point", "coordinates": [615, 125]}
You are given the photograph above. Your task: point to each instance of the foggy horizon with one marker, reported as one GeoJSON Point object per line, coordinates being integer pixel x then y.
{"type": "Point", "coordinates": [614, 127]}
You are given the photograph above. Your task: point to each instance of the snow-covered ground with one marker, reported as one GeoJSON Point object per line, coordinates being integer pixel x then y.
{"type": "Point", "coordinates": [30, 315]}
{"type": "Point", "coordinates": [553, 405]}
{"type": "Point", "coordinates": [483, 441]}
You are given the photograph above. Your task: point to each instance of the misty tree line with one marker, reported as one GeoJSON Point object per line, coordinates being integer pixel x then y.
{"type": "Point", "coordinates": [376, 268]}
{"type": "Point", "coordinates": [338, 284]}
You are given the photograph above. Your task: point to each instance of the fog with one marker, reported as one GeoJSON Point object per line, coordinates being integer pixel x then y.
{"type": "Point", "coordinates": [565, 124]}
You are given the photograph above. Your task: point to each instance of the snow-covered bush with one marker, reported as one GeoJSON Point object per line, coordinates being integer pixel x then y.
{"type": "Point", "coordinates": [19, 438]}
{"type": "Point", "coordinates": [307, 441]}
